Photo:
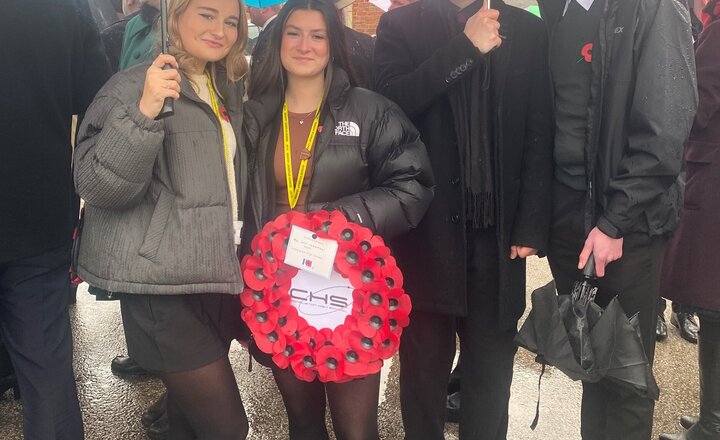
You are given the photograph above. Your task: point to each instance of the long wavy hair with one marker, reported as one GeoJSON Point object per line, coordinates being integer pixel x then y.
{"type": "Point", "coordinates": [269, 74]}
{"type": "Point", "coordinates": [234, 63]}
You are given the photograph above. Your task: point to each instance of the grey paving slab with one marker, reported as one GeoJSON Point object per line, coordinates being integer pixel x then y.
{"type": "Point", "coordinates": [112, 406]}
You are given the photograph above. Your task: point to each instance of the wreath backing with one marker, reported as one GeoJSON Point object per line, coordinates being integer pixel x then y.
{"type": "Point", "coordinates": [369, 334]}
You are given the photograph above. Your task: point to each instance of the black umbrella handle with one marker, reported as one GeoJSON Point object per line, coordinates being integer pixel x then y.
{"type": "Point", "coordinates": [168, 108]}
{"type": "Point", "coordinates": [589, 270]}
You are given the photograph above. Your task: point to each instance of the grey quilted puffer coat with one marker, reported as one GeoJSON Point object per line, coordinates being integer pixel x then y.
{"type": "Point", "coordinates": [158, 214]}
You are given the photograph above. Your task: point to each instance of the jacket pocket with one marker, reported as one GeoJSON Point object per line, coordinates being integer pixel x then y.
{"type": "Point", "coordinates": [156, 228]}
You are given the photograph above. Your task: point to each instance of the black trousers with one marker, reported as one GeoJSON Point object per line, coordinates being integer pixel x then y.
{"type": "Point", "coordinates": [428, 348]}
{"type": "Point", "coordinates": [35, 326]}
{"type": "Point", "coordinates": [608, 411]}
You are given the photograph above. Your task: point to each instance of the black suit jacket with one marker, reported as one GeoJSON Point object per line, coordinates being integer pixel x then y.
{"type": "Point", "coordinates": [416, 64]}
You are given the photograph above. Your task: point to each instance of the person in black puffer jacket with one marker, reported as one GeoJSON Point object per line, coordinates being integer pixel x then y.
{"type": "Point", "coordinates": [367, 161]}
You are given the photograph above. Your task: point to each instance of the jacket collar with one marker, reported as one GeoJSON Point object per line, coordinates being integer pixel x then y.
{"type": "Point", "coordinates": [263, 111]}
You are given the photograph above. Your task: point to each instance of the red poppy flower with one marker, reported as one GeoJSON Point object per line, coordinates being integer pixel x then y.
{"type": "Point", "coordinates": [262, 322]}
{"type": "Point", "coordinates": [399, 307]}
{"type": "Point", "coordinates": [373, 318]}
{"type": "Point", "coordinates": [302, 361]}
{"type": "Point", "coordinates": [392, 275]}
{"type": "Point", "coordinates": [348, 256]}
{"type": "Point", "coordinates": [386, 342]}
{"type": "Point", "coordinates": [255, 277]}
{"type": "Point", "coordinates": [288, 323]}
{"type": "Point", "coordinates": [363, 345]}
{"type": "Point", "coordinates": [330, 363]}
{"type": "Point", "coordinates": [248, 296]}
{"type": "Point", "coordinates": [364, 275]}
{"type": "Point", "coordinates": [272, 343]}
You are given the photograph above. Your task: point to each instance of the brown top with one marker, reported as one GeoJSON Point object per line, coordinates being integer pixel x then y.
{"type": "Point", "coordinates": [300, 124]}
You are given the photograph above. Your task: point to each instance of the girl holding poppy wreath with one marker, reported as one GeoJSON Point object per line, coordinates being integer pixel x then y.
{"type": "Point", "coordinates": [161, 212]}
{"type": "Point", "coordinates": [360, 155]}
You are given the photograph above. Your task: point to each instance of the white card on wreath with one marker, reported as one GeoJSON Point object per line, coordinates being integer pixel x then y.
{"type": "Point", "coordinates": [310, 253]}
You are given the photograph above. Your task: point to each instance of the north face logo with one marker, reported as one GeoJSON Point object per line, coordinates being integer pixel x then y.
{"type": "Point", "coordinates": [347, 128]}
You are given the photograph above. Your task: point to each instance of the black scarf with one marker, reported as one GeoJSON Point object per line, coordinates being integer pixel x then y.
{"type": "Point", "coordinates": [470, 103]}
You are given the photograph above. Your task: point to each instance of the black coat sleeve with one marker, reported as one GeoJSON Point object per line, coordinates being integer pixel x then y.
{"type": "Point", "coordinates": [412, 87]}
{"type": "Point", "coordinates": [401, 179]}
{"type": "Point", "coordinates": [532, 221]}
{"type": "Point", "coordinates": [660, 117]}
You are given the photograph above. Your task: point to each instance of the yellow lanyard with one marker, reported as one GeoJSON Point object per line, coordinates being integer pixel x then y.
{"type": "Point", "coordinates": [216, 110]}
{"type": "Point", "coordinates": [294, 188]}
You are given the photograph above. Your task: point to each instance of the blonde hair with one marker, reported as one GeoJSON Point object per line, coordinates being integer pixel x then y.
{"type": "Point", "coordinates": [235, 63]}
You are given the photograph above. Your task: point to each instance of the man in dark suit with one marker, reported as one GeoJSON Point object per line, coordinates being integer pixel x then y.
{"type": "Point", "coordinates": [263, 18]}
{"type": "Point", "coordinates": [474, 81]}
{"type": "Point", "coordinates": [48, 79]}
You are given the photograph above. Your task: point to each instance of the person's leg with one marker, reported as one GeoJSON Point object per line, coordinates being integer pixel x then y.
{"type": "Point", "coordinates": [635, 280]}
{"type": "Point", "coordinates": [35, 325]}
{"type": "Point", "coordinates": [708, 427]}
{"type": "Point", "coordinates": [488, 352]}
{"type": "Point", "coordinates": [354, 408]}
{"type": "Point", "coordinates": [567, 236]}
{"type": "Point", "coordinates": [208, 400]}
{"type": "Point", "coordinates": [305, 405]}
{"type": "Point", "coordinates": [427, 349]}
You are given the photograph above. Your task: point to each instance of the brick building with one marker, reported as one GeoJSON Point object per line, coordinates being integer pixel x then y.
{"type": "Point", "coordinates": [365, 16]}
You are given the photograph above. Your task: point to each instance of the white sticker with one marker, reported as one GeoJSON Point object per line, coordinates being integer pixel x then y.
{"type": "Point", "coordinates": [237, 233]}
{"type": "Point", "coordinates": [310, 253]}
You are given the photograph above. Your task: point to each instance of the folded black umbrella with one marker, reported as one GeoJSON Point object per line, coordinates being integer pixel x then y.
{"type": "Point", "coordinates": [585, 342]}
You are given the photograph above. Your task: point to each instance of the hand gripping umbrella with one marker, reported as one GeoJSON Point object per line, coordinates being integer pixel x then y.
{"type": "Point", "coordinates": [576, 336]}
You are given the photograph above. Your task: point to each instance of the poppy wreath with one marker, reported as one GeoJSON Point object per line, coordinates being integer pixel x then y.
{"type": "Point", "coordinates": [369, 334]}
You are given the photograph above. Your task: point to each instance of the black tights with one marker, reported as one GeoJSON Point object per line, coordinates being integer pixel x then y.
{"type": "Point", "coordinates": [353, 407]}
{"type": "Point", "coordinates": [205, 404]}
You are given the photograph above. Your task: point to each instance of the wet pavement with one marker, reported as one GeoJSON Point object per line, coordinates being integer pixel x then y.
{"type": "Point", "coordinates": [112, 405]}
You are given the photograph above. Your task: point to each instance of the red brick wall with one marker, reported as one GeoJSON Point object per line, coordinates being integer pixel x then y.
{"type": "Point", "coordinates": [365, 16]}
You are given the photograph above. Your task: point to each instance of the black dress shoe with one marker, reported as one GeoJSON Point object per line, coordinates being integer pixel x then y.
{"type": "Point", "coordinates": [688, 326]}
{"type": "Point", "coordinates": [10, 382]}
{"type": "Point", "coordinates": [155, 411]}
{"type": "Point", "coordinates": [687, 422]}
{"type": "Point", "coordinates": [125, 365]}
{"type": "Point", "coordinates": [159, 430]}
{"type": "Point", "coordinates": [453, 408]}
{"type": "Point", "coordinates": [660, 328]}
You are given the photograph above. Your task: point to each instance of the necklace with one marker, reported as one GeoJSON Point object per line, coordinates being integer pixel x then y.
{"type": "Point", "coordinates": [301, 120]}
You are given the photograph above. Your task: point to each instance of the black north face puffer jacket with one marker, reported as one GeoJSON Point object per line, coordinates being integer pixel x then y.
{"type": "Point", "coordinates": [369, 161]}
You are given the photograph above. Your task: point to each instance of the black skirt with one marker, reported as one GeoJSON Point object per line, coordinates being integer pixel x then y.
{"type": "Point", "coordinates": [173, 333]}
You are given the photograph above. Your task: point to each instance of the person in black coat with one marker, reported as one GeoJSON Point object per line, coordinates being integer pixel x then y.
{"type": "Point", "coordinates": [46, 81]}
{"type": "Point", "coordinates": [364, 159]}
{"type": "Point", "coordinates": [623, 78]}
{"type": "Point", "coordinates": [478, 91]}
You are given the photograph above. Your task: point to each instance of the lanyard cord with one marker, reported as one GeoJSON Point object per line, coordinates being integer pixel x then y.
{"type": "Point", "coordinates": [216, 110]}
{"type": "Point", "coordinates": [295, 187]}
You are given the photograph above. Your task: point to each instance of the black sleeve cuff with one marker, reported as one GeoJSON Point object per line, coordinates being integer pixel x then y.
{"type": "Point", "coordinates": [608, 228]}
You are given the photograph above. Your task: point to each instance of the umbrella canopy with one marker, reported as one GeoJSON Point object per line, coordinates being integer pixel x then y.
{"type": "Point", "coordinates": [587, 343]}
{"type": "Point", "coordinates": [263, 3]}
